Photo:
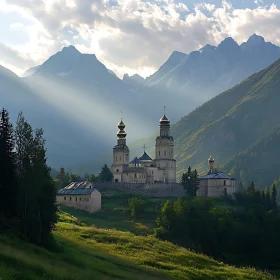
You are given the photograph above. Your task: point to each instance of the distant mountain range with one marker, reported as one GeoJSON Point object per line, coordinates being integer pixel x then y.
{"type": "Point", "coordinates": [77, 100]}
{"type": "Point", "coordinates": [201, 74]}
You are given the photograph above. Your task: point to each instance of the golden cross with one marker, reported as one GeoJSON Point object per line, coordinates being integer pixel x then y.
{"type": "Point", "coordinates": [145, 148]}
{"type": "Point", "coordinates": [164, 109]}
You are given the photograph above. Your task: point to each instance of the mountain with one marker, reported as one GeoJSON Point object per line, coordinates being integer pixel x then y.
{"type": "Point", "coordinates": [201, 74]}
{"type": "Point", "coordinates": [134, 81]}
{"type": "Point", "coordinates": [30, 71]}
{"type": "Point", "coordinates": [232, 123]}
{"type": "Point", "coordinates": [64, 136]}
{"type": "Point", "coordinates": [258, 163]}
{"type": "Point", "coordinates": [77, 99]}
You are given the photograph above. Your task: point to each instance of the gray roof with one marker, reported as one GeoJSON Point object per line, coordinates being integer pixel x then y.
{"type": "Point", "coordinates": [77, 188]}
{"type": "Point", "coordinates": [135, 161]}
{"type": "Point", "coordinates": [217, 175]}
{"type": "Point", "coordinates": [145, 157]}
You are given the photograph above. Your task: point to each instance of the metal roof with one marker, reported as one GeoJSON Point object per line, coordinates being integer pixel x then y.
{"type": "Point", "coordinates": [145, 157]}
{"type": "Point", "coordinates": [135, 161]}
{"type": "Point", "coordinates": [217, 175]}
{"type": "Point", "coordinates": [77, 188]}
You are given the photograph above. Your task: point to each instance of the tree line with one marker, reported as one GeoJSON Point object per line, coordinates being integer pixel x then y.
{"type": "Point", "coordinates": [27, 190]}
{"type": "Point", "coordinates": [242, 230]}
{"type": "Point", "coordinates": [64, 178]}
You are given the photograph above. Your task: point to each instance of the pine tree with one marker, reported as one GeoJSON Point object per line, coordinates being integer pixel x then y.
{"type": "Point", "coordinates": [37, 190]}
{"type": "Point", "coordinates": [105, 174]}
{"type": "Point", "coordinates": [190, 182]}
{"type": "Point", "coordinates": [63, 177]}
{"type": "Point", "coordinates": [8, 180]}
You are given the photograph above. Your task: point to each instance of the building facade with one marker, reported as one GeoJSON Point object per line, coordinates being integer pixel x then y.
{"type": "Point", "coordinates": [144, 169]}
{"type": "Point", "coordinates": [215, 183]}
{"type": "Point", "coordinates": [80, 195]}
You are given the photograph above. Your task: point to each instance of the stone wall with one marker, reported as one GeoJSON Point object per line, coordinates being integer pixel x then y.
{"type": "Point", "coordinates": [156, 189]}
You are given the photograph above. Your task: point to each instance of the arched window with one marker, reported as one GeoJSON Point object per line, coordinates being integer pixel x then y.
{"type": "Point", "coordinates": [165, 153]}
{"type": "Point", "coordinates": [224, 182]}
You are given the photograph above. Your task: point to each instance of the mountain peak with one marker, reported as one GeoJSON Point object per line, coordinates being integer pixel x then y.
{"type": "Point", "coordinates": [228, 45]}
{"type": "Point", "coordinates": [255, 39]}
{"type": "Point", "coordinates": [70, 49]}
{"type": "Point", "coordinates": [229, 41]}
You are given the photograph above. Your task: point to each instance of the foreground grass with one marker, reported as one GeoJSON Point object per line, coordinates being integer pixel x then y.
{"type": "Point", "coordinates": [88, 252]}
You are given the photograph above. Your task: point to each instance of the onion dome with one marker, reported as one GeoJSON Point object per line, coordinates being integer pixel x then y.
{"type": "Point", "coordinates": [164, 121]}
{"type": "Point", "coordinates": [121, 133]}
{"type": "Point", "coordinates": [210, 159]}
{"type": "Point", "coordinates": [121, 125]}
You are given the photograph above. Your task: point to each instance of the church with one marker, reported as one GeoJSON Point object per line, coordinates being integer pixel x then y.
{"type": "Point", "coordinates": [144, 169]}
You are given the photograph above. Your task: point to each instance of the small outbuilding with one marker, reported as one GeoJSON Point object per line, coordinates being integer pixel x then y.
{"type": "Point", "coordinates": [215, 183]}
{"type": "Point", "coordinates": [80, 195]}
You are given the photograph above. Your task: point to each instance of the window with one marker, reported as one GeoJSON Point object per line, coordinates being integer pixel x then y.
{"type": "Point", "coordinates": [116, 159]}
{"type": "Point", "coordinates": [165, 153]}
{"type": "Point", "coordinates": [152, 172]}
{"type": "Point", "coordinates": [159, 153]}
{"type": "Point", "coordinates": [224, 182]}
{"type": "Point", "coordinates": [76, 198]}
{"type": "Point", "coordinates": [70, 198]}
{"type": "Point", "coordinates": [80, 199]}
{"type": "Point", "coordinates": [117, 170]}
{"type": "Point", "coordinates": [135, 175]}
{"type": "Point", "coordinates": [64, 197]}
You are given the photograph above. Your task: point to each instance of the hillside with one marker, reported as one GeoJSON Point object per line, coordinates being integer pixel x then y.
{"type": "Point", "coordinates": [258, 163]}
{"type": "Point", "coordinates": [89, 252]}
{"type": "Point", "coordinates": [231, 122]}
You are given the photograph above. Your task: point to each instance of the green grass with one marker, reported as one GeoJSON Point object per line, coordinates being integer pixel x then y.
{"type": "Point", "coordinates": [115, 213]}
{"type": "Point", "coordinates": [110, 245]}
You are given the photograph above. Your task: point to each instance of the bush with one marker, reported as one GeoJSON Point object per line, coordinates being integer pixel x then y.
{"type": "Point", "coordinates": [136, 206]}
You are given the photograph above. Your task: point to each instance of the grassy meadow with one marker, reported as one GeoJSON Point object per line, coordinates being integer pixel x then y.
{"type": "Point", "coordinates": [110, 245]}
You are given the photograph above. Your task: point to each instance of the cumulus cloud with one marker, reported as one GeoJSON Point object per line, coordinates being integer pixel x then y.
{"type": "Point", "coordinates": [136, 35]}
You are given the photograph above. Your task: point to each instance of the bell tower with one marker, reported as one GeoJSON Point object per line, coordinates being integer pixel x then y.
{"type": "Point", "coordinates": [120, 154]}
{"type": "Point", "coordinates": [164, 156]}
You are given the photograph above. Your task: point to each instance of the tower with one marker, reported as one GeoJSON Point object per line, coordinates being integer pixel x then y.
{"type": "Point", "coordinates": [164, 156]}
{"type": "Point", "coordinates": [120, 154]}
{"type": "Point", "coordinates": [211, 164]}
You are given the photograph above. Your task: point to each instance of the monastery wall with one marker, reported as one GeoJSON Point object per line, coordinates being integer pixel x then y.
{"type": "Point", "coordinates": [155, 189]}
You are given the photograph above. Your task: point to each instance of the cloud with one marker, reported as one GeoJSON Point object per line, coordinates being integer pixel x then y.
{"type": "Point", "coordinates": [13, 59]}
{"type": "Point", "coordinates": [137, 35]}
{"type": "Point", "coordinates": [16, 25]}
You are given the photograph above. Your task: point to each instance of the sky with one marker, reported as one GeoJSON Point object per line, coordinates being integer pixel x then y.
{"type": "Point", "coordinates": [128, 36]}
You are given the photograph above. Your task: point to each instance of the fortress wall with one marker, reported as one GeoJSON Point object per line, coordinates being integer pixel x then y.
{"type": "Point", "coordinates": [155, 189]}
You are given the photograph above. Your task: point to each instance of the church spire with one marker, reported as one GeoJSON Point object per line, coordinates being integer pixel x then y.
{"type": "Point", "coordinates": [121, 133]}
{"type": "Point", "coordinates": [211, 163]}
{"type": "Point", "coordinates": [164, 125]}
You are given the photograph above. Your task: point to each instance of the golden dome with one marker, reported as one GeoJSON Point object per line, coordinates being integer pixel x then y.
{"type": "Point", "coordinates": [121, 133]}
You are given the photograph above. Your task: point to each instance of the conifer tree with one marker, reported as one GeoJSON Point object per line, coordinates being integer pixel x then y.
{"type": "Point", "coordinates": [105, 174]}
{"type": "Point", "coordinates": [37, 190]}
{"type": "Point", "coordinates": [190, 182]}
{"type": "Point", "coordinates": [8, 181]}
